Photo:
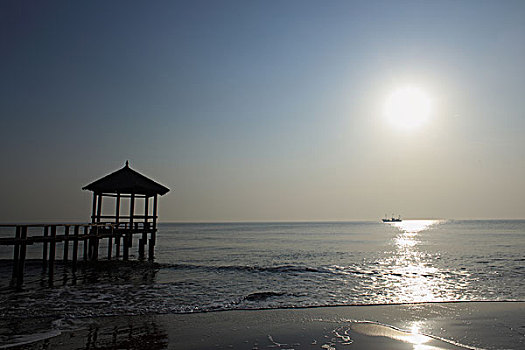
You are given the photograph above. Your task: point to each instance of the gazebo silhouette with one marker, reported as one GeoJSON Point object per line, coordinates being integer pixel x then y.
{"type": "Point", "coordinates": [123, 184]}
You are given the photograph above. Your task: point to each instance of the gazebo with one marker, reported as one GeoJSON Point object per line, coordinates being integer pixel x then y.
{"type": "Point", "coordinates": [127, 184]}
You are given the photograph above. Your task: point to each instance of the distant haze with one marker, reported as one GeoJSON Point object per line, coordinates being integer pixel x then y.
{"type": "Point", "coordinates": [263, 110]}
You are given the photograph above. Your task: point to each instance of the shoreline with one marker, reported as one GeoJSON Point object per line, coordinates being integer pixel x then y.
{"type": "Point", "coordinates": [433, 325]}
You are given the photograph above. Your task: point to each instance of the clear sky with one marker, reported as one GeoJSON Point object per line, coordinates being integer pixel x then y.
{"type": "Point", "coordinates": [264, 110]}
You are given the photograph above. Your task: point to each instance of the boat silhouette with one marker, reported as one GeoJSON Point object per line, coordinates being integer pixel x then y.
{"type": "Point", "coordinates": [392, 219]}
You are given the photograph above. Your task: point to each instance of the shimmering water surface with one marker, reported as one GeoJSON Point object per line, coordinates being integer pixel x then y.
{"type": "Point", "coordinates": [203, 267]}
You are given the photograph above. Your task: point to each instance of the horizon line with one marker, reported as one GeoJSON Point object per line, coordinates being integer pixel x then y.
{"type": "Point", "coordinates": [50, 222]}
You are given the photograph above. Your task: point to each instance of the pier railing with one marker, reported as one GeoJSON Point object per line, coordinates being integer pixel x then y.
{"type": "Point", "coordinates": [83, 239]}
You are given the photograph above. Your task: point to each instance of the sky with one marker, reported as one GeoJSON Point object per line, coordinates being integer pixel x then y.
{"type": "Point", "coordinates": [264, 110]}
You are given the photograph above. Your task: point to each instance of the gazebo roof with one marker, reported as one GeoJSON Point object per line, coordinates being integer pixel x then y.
{"type": "Point", "coordinates": [126, 180]}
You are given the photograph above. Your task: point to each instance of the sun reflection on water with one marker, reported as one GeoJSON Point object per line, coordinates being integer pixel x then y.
{"type": "Point", "coordinates": [414, 226]}
{"type": "Point", "coordinates": [411, 266]}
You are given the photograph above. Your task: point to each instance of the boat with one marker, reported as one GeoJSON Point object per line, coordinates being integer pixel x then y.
{"type": "Point", "coordinates": [392, 219]}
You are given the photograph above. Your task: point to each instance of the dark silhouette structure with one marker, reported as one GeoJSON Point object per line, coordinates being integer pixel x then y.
{"type": "Point", "coordinates": [129, 184]}
{"type": "Point", "coordinates": [123, 184]}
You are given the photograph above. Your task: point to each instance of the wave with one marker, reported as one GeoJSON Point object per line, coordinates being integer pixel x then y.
{"type": "Point", "coordinates": [334, 270]}
{"type": "Point", "coordinates": [258, 296]}
{"type": "Point", "coordinates": [251, 268]}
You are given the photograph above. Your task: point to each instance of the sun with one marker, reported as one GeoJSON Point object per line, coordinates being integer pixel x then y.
{"type": "Point", "coordinates": [407, 108]}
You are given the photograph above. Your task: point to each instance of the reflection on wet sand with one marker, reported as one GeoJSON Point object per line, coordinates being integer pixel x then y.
{"type": "Point", "coordinates": [425, 326]}
{"type": "Point", "coordinates": [135, 336]}
{"type": "Point", "coordinates": [414, 337]}
{"type": "Point", "coordinates": [138, 333]}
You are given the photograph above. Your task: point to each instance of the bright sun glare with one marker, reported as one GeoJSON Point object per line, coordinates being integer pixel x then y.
{"type": "Point", "coordinates": [407, 108]}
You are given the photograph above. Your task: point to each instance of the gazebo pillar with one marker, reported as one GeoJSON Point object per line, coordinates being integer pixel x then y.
{"type": "Point", "coordinates": [117, 220]}
{"type": "Point", "coordinates": [155, 212]}
{"type": "Point", "coordinates": [131, 210]}
{"type": "Point", "coordinates": [128, 240]}
{"type": "Point", "coordinates": [151, 251]}
{"type": "Point", "coordinates": [99, 207]}
{"type": "Point", "coordinates": [94, 208]}
{"type": "Point", "coordinates": [144, 240]}
{"type": "Point", "coordinates": [117, 209]}
{"type": "Point", "coordinates": [146, 210]}
{"type": "Point", "coordinates": [95, 218]}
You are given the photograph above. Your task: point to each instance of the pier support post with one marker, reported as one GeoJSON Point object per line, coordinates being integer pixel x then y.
{"type": "Point", "coordinates": [44, 248]}
{"type": "Point", "coordinates": [110, 244]}
{"type": "Point", "coordinates": [128, 237]}
{"type": "Point", "coordinates": [22, 257]}
{"type": "Point", "coordinates": [95, 248]}
{"type": "Point", "coordinates": [145, 228]}
{"type": "Point", "coordinates": [75, 247]}
{"type": "Point", "coordinates": [117, 246]}
{"type": "Point", "coordinates": [93, 244]}
{"type": "Point", "coordinates": [52, 248]}
{"type": "Point", "coordinates": [125, 252]}
{"type": "Point", "coordinates": [66, 243]}
{"type": "Point", "coordinates": [16, 252]}
{"type": "Point", "coordinates": [86, 243]}
{"type": "Point", "coordinates": [151, 252]}
{"type": "Point", "coordinates": [144, 240]}
{"type": "Point", "coordinates": [141, 249]}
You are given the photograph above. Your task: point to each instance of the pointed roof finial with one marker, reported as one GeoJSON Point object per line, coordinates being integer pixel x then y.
{"type": "Point", "coordinates": [127, 164]}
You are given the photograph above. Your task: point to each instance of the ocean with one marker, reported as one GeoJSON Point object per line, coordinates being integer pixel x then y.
{"type": "Point", "coordinates": [201, 267]}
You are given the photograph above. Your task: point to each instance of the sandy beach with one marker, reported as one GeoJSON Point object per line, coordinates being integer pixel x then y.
{"type": "Point", "coordinates": [459, 325]}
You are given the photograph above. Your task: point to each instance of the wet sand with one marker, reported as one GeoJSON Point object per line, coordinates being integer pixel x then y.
{"type": "Point", "coordinates": [460, 325]}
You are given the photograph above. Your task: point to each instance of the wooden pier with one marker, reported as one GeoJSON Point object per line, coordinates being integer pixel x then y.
{"type": "Point", "coordinates": [117, 227]}
{"type": "Point", "coordinates": [83, 240]}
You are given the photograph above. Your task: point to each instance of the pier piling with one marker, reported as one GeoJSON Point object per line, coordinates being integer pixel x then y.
{"type": "Point", "coordinates": [16, 252]}
{"type": "Point", "coordinates": [66, 243]}
{"type": "Point", "coordinates": [22, 257]}
{"type": "Point", "coordinates": [117, 245]}
{"type": "Point", "coordinates": [85, 241]}
{"type": "Point", "coordinates": [110, 247]}
{"type": "Point", "coordinates": [125, 253]}
{"type": "Point", "coordinates": [75, 246]}
{"type": "Point", "coordinates": [52, 248]}
{"type": "Point", "coordinates": [44, 247]}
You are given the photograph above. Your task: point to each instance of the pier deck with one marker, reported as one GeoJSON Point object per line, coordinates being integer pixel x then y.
{"type": "Point", "coordinates": [83, 239]}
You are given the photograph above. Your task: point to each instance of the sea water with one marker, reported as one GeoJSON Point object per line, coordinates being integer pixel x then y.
{"type": "Point", "coordinates": [223, 266]}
